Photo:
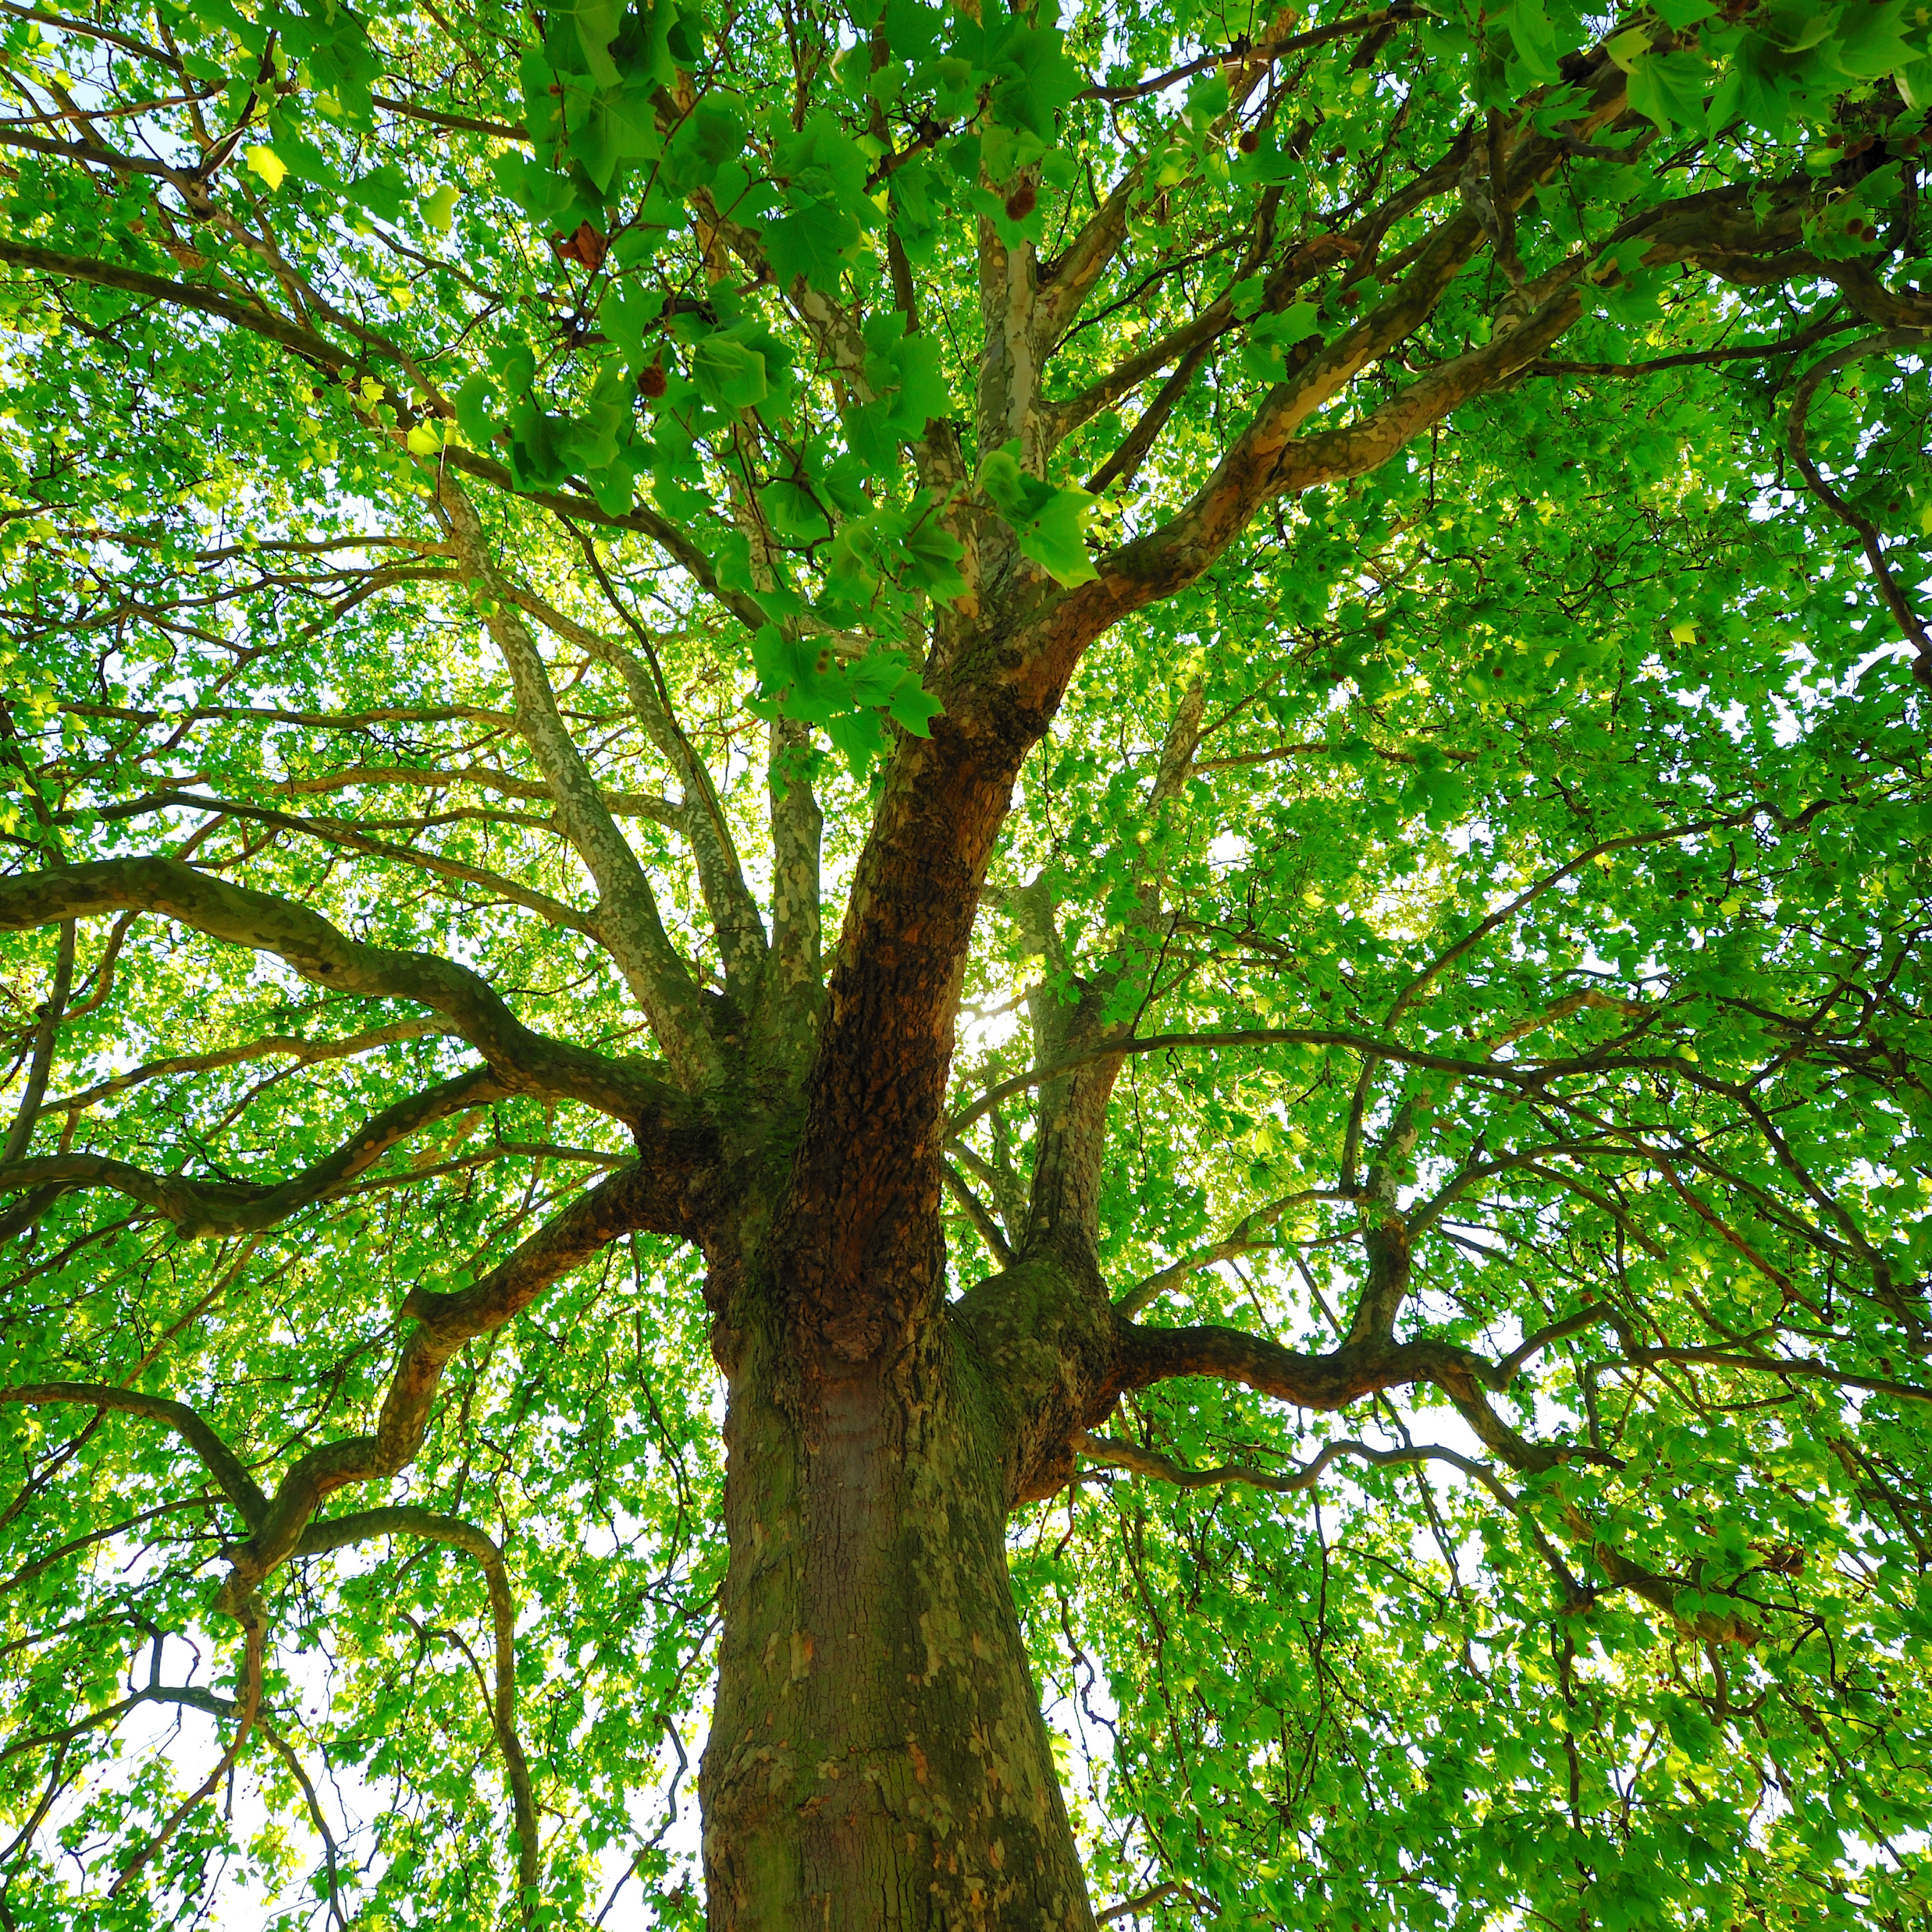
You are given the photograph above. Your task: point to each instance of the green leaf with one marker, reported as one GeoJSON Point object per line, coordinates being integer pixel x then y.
{"type": "Point", "coordinates": [1263, 355]}
{"type": "Point", "coordinates": [1871, 43]}
{"type": "Point", "coordinates": [596, 22]}
{"type": "Point", "coordinates": [1285, 328]}
{"type": "Point", "coordinates": [542, 448]}
{"type": "Point", "coordinates": [1797, 26]}
{"type": "Point", "coordinates": [610, 130]}
{"type": "Point", "coordinates": [1035, 78]}
{"type": "Point", "coordinates": [1050, 523]}
{"type": "Point", "coordinates": [473, 401]}
{"type": "Point", "coordinates": [711, 135]}
{"type": "Point", "coordinates": [914, 30]}
{"type": "Point", "coordinates": [268, 164]}
{"type": "Point", "coordinates": [383, 191]}
{"type": "Point", "coordinates": [914, 191]}
{"type": "Point", "coordinates": [820, 162]}
{"type": "Point", "coordinates": [642, 51]}
{"type": "Point", "coordinates": [1207, 100]}
{"type": "Point", "coordinates": [1533, 35]}
{"type": "Point", "coordinates": [1669, 88]}
{"type": "Point", "coordinates": [685, 39]}
{"type": "Point", "coordinates": [543, 106]}
{"type": "Point", "coordinates": [813, 245]}
{"type": "Point", "coordinates": [794, 513]}
{"type": "Point", "coordinates": [930, 560]}
{"type": "Point", "coordinates": [859, 735]}
{"type": "Point", "coordinates": [541, 193]}
{"type": "Point", "coordinates": [729, 373]}
{"type": "Point", "coordinates": [907, 372]}
{"type": "Point", "coordinates": [629, 315]}
{"type": "Point", "coordinates": [303, 158]}
{"type": "Point", "coordinates": [873, 679]}
{"type": "Point", "coordinates": [1628, 47]}
{"type": "Point", "coordinates": [913, 707]}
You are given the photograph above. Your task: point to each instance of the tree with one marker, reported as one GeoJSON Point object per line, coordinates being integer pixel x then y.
{"type": "Point", "coordinates": [1345, 1186]}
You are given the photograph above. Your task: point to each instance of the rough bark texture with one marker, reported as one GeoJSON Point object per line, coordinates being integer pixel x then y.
{"type": "Point", "coordinates": [876, 1758]}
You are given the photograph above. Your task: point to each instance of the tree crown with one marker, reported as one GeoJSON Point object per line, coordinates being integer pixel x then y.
{"type": "Point", "coordinates": [1300, 638]}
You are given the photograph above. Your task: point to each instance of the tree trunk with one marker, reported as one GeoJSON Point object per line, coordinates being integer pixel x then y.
{"type": "Point", "coordinates": [877, 1757]}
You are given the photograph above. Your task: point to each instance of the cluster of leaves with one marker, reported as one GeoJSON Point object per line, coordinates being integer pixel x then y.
{"type": "Point", "coordinates": [646, 188]}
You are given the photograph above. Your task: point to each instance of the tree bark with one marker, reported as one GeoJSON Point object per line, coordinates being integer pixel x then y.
{"type": "Point", "coordinates": [878, 1758]}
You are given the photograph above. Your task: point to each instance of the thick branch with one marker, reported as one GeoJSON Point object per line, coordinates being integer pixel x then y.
{"type": "Point", "coordinates": [640, 517]}
{"type": "Point", "coordinates": [975, 1210]}
{"type": "Point", "coordinates": [45, 1035]}
{"type": "Point", "coordinates": [346, 833]}
{"type": "Point", "coordinates": [720, 872]}
{"type": "Point", "coordinates": [628, 919]}
{"type": "Point", "coordinates": [1066, 285]}
{"type": "Point", "coordinates": [1732, 232]}
{"type": "Point", "coordinates": [223, 1464]}
{"type": "Point", "coordinates": [1523, 1074]}
{"type": "Point", "coordinates": [186, 1695]}
{"type": "Point", "coordinates": [202, 1209]}
{"type": "Point", "coordinates": [1359, 26]}
{"type": "Point", "coordinates": [1248, 1233]}
{"type": "Point", "coordinates": [249, 1613]}
{"type": "Point", "coordinates": [1693, 358]}
{"type": "Point", "coordinates": [1898, 598]}
{"type": "Point", "coordinates": [1365, 1364]}
{"type": "Point", "coordinates": [525, 1061]}
{"type": "Point", "coordinates": [1070, 1136]}
{"type": "Point", "coordinates": [485, 777]}
{"type": "Point", "coordinates": [663, 1197]}
{"type": "Point", "coordinates": [1806, 1367]}
{"type": "Point", "coordinates": [797, 829]}
{"type": "Point", "coordinates": [306, 1052]}
{"type": "Point", "coordinates": [1130, 1455]}
{"type": "Point", "coordinates": [263, 322]}
{"type": "Point", "coordinates": [1323, 1382]}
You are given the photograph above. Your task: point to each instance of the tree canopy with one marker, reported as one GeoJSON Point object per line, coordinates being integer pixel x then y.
{"type": "Point", "coordinates": [1242, 700]}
